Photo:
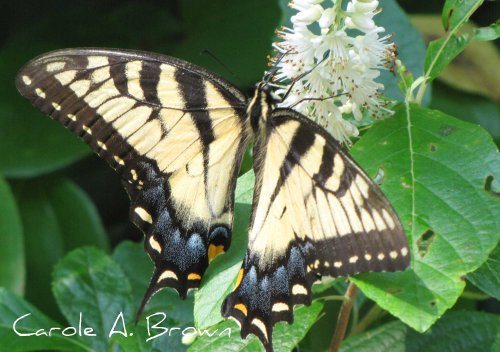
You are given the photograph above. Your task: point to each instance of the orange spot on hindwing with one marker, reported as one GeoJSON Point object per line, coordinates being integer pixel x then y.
{"type": "Point", "coordinates": [194, 276]}
{"type": "Point", "coordinates": [239, 278]}
{"type": "Point", "coordinates": [242, 308]}
{"type": "Point", "coordinates": [214, 251]}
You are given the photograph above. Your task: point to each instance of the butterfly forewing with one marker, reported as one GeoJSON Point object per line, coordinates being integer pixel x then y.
{"type": "Point", "coordinates": [174, 132]}
{"type": "Point", "coordinates": [316, 213]}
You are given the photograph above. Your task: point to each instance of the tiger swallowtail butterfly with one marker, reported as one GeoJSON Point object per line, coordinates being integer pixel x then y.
{"type": "Point", "coordinates": [176, 133]}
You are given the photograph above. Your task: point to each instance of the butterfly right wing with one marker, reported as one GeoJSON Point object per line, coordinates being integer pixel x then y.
{"type": "Point", "coordinates": [315, 213]}
{"type": "Point", "coordinates": [174, 132]}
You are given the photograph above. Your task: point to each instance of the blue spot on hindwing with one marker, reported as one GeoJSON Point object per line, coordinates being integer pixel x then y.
{"type": "Point", "coordinates": [279, 282]}
{"type": "Point", "coordinates": [296, 263]}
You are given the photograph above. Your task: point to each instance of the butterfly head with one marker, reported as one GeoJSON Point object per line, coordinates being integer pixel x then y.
{"type": "Point", "coordinates": [261, 105]}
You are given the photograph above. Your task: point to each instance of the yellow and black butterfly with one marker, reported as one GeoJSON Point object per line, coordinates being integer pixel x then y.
{"type": "Point", "coordinates": [176, 134]}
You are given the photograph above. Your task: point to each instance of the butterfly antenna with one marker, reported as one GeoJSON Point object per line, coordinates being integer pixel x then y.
{"type": "Point", "coordinates": [302, 75]}
{"type": "Point", "coordinates": [274, 68]}
{"type": "Point", "coordinates": [316, 99]}
{"type": "Point", "coordinates": [152, 288]}
{"type": "Point", "coordinates": [209, 53]}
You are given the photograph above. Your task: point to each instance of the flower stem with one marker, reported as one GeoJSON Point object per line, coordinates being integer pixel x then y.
{"type": "Point", "coordinates": [343, 319]}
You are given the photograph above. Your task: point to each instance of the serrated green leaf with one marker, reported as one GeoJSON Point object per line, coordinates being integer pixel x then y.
{"type": "Point", "coordinates": [12, 262]}
{"type": "Point", "coordinates": [179, 313]}
{"type": "Point", "coordinates": [56, 216]}
{"type": "Point", "coordinates": [285, 337]}
{"type": "Point", "coordinates": [206, 308]}
{"type": "Point", "coordinates": [487, 277]}
{"type": "Point", "coordinates": [236, 23]}
{"type": "Point", "coordinates": [492, 32]}
{"type": "Point", "coordinates": [12, 308]}
{"type": "Point", "coordinates": [88, 282]}
{"type": "Point", "coordinates": [468, 107]}
{"type": "Point", "coordinates": [138, 267]}
{"type": "Point", "coordinates": [459, 331]}
{"type": "Point", "coordinates": [220, 275]}
{"type": "Point", "coordinates": [457, 12]}
{"type": "Point", "coordinates": [441, 52]}
{"type": "Point", "coordinates": [167, 340]}
{"type": "Point", "coordinates": [435, 169]}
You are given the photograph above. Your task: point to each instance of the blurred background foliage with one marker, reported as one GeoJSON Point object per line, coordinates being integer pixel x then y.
{"type": "Point", "coordinates": [55, 195]}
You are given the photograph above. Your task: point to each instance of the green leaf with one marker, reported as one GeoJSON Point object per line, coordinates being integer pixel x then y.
{"type": "Point", "coordinates": [285, 337]}
{"type": "Point", "coordinates": [487, 276]}
{"type": "Point", "coordinates": [245, 25]}
{"type": "Point", "coordinates": [12, 262]}
{"type": "Point", "coordinates": [492, 32]}
{"type": "Point", "coordinates": [56, 216]}
{"type": "Point", "coordinates": [435, 169]}
{"type": "Point", "coordinates": [179, 313]}
{"type": "Point", "coordinates": [206, 309]}
{"type": "Point", "coordinates": [441, 52]}
{"type": "Point", "coordinates": [219, 278]}
{"type": "Point", "coordinates": [468, 107]}
{"type": "Point", "coordinates": [30, 142]}
{"type": "Point", "coordinates": [457, 12]}
{"type": "Point", "coordinates": [460, 331]}
{"type": "Point", "coordinates": [88, 282]}
{"type": "Point", "coordinates": [138, 267]}
{"type": "Point", "coordinates": [43, 243]}
{"type": "Point", "coordinates": [12, 308]}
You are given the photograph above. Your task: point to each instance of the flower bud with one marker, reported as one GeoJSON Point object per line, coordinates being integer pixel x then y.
{"type": "Point", "coordinates": [308, 16]}
{"type": "Point", "coordinates": [188, 339]}
{"type": "Point", "coordinates": [327, 18]}
{"type": "Point", "coordinates": [361, 22]}
{"type": "Point", "coordinates": [364, 7]}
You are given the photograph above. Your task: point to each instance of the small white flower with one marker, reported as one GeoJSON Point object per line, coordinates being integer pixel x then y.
{"type": "Point", "coordinates": [342, 60]}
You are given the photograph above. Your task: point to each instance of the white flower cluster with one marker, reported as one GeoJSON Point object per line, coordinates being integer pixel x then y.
{"type": "Point", "coordinates": [342, 52]}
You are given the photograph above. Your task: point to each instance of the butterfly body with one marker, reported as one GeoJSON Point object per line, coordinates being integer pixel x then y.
{"type": "Point", "coordinates": [176, 133]}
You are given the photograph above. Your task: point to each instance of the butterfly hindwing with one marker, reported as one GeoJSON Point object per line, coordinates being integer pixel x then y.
{"type": "Point", "coordinates": [174, 132]}
{"type": "Point", "coordinates": [316, 213]}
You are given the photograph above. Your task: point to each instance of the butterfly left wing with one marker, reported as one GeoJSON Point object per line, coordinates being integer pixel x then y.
{"type": "Point", "coordinates": [174, 132]}
{"type": "Point", "coordinates": [316, 213]}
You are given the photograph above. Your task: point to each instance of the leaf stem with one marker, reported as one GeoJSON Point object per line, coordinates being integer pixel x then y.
{"type": "Point", "coordinates": [423, 86]}
{"type": "Point", "coordinates": [374, 314]}
{"type": "Point", "coordinates": [333, 298]}
{"type": "Point", "coordinates": [343, 319]}
{"type": "Point", "coordinates": [474, 295]}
